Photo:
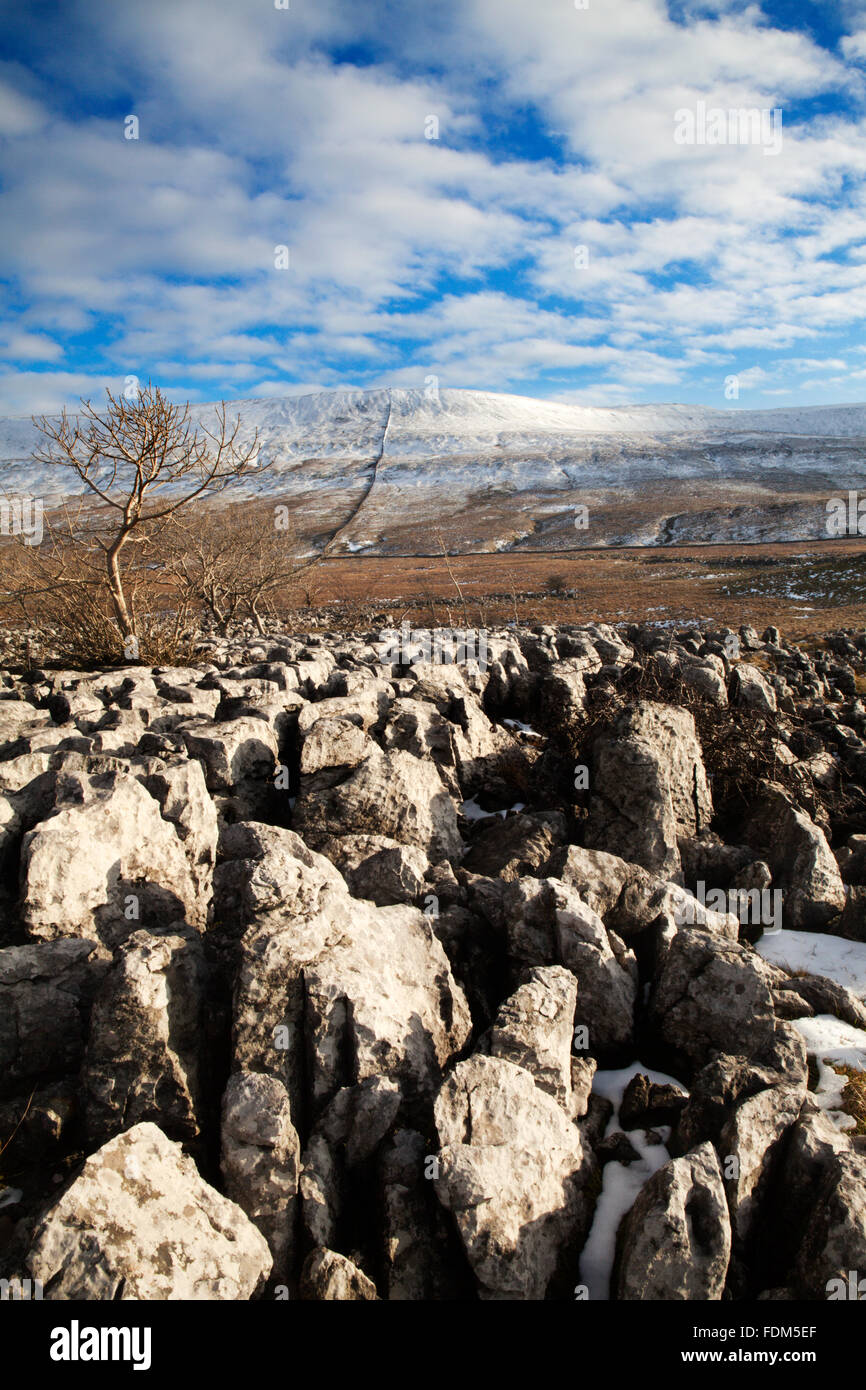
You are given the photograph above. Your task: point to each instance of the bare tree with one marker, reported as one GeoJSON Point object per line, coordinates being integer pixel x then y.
{"type": "Point", "coordinates": [235, 559]}
{"type": "Point", "coordinates": [511, 581]}
{"type": "Point", "coordinates": [453, 577]}
{"type": "Point", "coordinates": [143, 460]}
{"type": "Point", "coordinates": [58, 590]}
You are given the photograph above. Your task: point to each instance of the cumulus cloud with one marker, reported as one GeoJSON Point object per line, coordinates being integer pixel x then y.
{"type": "Point", "coordinates": [492, 192]}
{"type": "Point", "coordinates": [854, 46]}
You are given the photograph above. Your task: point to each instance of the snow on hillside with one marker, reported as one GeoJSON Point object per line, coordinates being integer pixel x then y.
{"type": "Point", "coordinates": [327, 423]}
{"type": "Point", "coordinates": [406, 453]}
{"type": "Point", "coordinates": [439, 421]}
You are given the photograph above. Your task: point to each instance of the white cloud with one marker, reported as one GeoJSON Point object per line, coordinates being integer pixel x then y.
{"type": "Point", "coordinates": [251, 137]}
{"type": "Point", "coordinates": [854, 47]}
{"type": "Point", "coordinates": [29, 347]}
{"type": "Point", "coordinates": [36, 393]}
{"type": "Point", "coordinates": [19, 113]}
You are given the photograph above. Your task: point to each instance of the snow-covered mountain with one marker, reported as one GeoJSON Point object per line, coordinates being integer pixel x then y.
{"type": "Point", "coordinates": [381, 468]}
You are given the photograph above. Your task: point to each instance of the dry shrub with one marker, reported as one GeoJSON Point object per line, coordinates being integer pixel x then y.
{"type": "Point", "coordinates": [738, 747]}
{"type": "Point", "coordinates": [556, 584]}
{"type": "Point", "coordinates": [53, 592]}
{"type": "Point", "coordinates": [83, 635]}
{"type": "Point", "coordinates": [853, 1095]}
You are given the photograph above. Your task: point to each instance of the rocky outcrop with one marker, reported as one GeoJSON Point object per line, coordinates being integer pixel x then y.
{"type": "Point", "coordinates": [393, 794]}
{"type": "Point", "coordinates": [143, 1059]}
{"type": "Point", "coordinates": [46, 994]}
{"type": "Point", "coordinates": [379, 869]}
{"type": "Point", "coordinates": [331, 989]}
{"type": "Point", "coordinates": [801, 859]}
{"type": "Point", "coordinates": [534, 1029]}
{"type": "Point", "coordinates": [139, 1223]}
{"type": "Point", "coordinates": [509, 1171]}
{"type": "Point", "coordinates": [649, 787]}
{"type": "Point", "coordinates": [261, 1160]}
{"type": "Point", "coordinates": [104, 863]}
{"type": "Point", "coordinates": [753, 1138]}
{"type": "Point", "coordinates": [820, 1226]}
{"type": "Point", "coordinates": [329, 978]}
{"type": "Point", "coordinates": [675, 1243]}
{"type": "Point", "coordinates": [328, 1277]}
{"type": "Point", "coordinates": [547, 923]}
{"type": "Point", "coordinates": [752, 690]}
{"type": "Point", "coordinates": [708, 992]}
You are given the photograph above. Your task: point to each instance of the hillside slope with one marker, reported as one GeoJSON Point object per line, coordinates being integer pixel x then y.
{"type": "Point", "coordinates": [507, 472]}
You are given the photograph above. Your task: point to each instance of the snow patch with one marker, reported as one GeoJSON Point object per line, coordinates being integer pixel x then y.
{"type": "Point", "coordinates": [830, 1041]}
{"type": "Point", "coordinates": [621, 1182]}
{"type": "Point", "coordinates": [833, 956]}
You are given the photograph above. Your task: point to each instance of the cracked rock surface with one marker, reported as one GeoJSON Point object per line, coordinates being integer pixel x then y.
{"type": "Point", "coordinates": [326, 977]}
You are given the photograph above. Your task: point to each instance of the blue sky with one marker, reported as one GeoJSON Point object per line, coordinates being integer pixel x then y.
{"type": "Point", "coordinates": [409, 256]}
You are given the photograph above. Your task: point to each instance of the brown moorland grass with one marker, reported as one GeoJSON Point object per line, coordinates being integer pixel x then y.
{"type": "Point", "coordinates": [805, 588]}
{"type": "Point", "coordinates": [853, 1095]}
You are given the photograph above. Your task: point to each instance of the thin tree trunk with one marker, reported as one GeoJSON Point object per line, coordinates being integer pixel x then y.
{"type": "Point", "coordinates": [260, 627]}
{"type": "Point", "coordinates": [115, 585]}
